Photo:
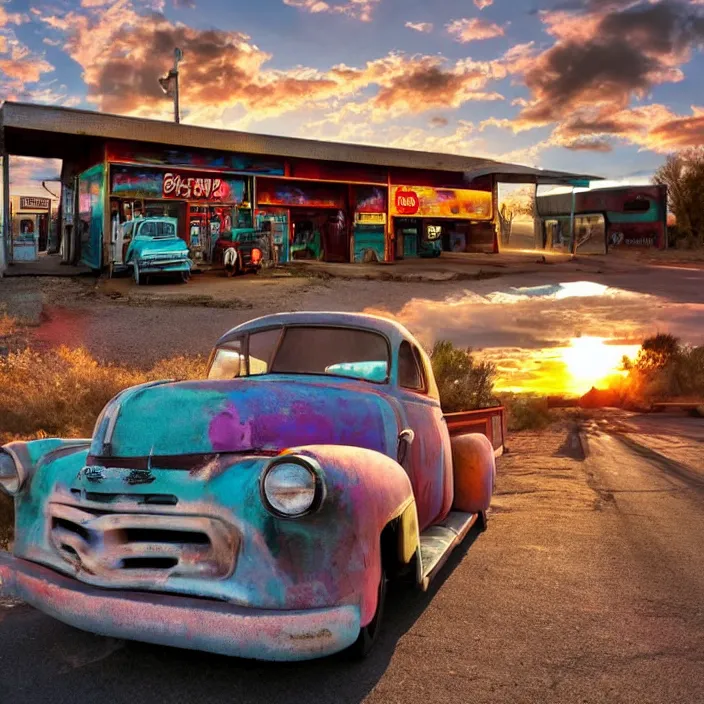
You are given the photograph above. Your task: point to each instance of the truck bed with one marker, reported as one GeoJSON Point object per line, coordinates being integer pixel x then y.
{"type": "Point", "coordinates": [487, 421]}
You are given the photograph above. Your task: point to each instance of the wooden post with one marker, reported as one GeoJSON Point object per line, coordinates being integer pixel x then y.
{"type": "Point", "coordinates": [6, 222]}
{"type": "Point", "coordinates": [573, 234]}
{"type": "Point", "coordinates": [389, 241]}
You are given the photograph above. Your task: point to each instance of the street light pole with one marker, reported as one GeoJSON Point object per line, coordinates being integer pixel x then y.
{"type": "Point", "coordinates": [169, 84]}
{"type": "Point", "coordinates": [178, 55]}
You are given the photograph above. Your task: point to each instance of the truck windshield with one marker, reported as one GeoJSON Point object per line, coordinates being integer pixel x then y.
{"type": "Point", "coordinates": [348, 352]}
{"type": "Point", "coordinates": [158, 230]}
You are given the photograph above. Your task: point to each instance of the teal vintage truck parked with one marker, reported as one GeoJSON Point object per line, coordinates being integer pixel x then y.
{"type": "Point", "coordinates": [151, 247]}
{"type": "Point", "coordinates": [261, 511]}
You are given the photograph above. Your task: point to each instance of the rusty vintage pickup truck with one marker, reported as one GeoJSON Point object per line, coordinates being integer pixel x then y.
{"type": "Point", "coordinates": [261, 511]}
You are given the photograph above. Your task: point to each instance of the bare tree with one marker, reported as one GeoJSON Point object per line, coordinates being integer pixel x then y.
{"type": "Point", "coordinates": [683, 174]}
{"type": "Point", "coordinates": [516, 204]}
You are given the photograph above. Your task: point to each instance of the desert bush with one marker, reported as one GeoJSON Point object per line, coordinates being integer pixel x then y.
{"type": "Point", "coordinates": [664, 369]}
{"type": "Point", "coordinates": [60, 392]}
{"type": "Point", "coordinates": [526, 412]}
{"type": "Point", "coordinates": [464, 383]}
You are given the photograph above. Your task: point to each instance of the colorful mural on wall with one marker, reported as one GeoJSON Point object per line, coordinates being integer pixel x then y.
{"type": "Point", "coordinates": [415, 201]}
{"type": "Point", "coordinates": [636, 234]}
{"type": "Point", "coordinates": [634, 216]}
{"type": "Point", "coordinates": [370, 199]}
{"type": "Point", "coordinates": [292, 193]}
{"type": "Point", "coordinates": [91, 185]}
{"type": "Point", "coordinates": [250, 163]}
{"type": "Point", "coordinates": [177, 185]}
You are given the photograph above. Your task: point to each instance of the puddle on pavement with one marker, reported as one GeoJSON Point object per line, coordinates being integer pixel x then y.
{"type": "Point", "coordinates": [555, 339]}
{"type": "Point", "coordinates": [552, 339]}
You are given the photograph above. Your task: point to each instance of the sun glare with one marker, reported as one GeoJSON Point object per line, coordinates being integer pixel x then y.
{"type": "Point", "coordinates": [590, 361]}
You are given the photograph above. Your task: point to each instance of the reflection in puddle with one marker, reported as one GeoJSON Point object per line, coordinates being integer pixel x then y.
{"type": "Point", "coordinates": [557, 292]}
{"type": "Point", "coordinates": [586, 363]}
{"type": "Point", "coordinates": [555, 339]}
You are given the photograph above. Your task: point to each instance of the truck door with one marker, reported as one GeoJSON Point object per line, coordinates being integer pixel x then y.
{"type": "Point", "coordinates": [429, 463]}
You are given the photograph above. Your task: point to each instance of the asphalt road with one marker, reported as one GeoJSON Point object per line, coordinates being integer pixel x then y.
{"type": "Point", "coordinates": [587, 587]}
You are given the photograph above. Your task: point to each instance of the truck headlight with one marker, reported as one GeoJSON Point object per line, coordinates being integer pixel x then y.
{"type": "Point", "coordinates": [292, 486]}
{"type": "Point", "coordinates": [11, 476]}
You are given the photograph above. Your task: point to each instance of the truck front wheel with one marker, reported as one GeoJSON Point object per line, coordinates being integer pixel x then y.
{"type": "Point", "coordinates": [369, 635]}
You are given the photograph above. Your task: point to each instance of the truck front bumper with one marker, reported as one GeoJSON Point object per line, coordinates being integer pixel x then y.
{"type": "Point", "coordinates": [178, 621]}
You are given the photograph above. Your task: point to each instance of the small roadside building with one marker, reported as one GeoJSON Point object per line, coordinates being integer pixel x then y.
{"type": "Point", "coordinates": [625, 217]}
{"type": "Point", "coordinates": [30, 218]}
{"type": "Point", "coordinates": [336, 202]}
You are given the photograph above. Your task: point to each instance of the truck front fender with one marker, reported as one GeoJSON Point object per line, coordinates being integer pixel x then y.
{"type": "Point", "coordinates": [370, 491]}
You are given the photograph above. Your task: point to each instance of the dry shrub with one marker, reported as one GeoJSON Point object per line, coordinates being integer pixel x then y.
{"type": "Point", "coordinates": [8, 325]}
{"type": "Point", "coordinates": [525, 412]}
{"type": "Point", "coordinates": [464, 383]}
{"type": "Point", "coordinates": [61, 392]}
{"type": "Point", "coordinates": [665, 369]}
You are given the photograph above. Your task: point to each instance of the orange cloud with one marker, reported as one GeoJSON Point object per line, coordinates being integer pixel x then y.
{"type": "Point", "coordinates": [603, 59]}
{"type": "Point", "coordinates": [18, 64]}
{"type": "Point", "coordinates": [27, 174]}
{"type": "Point", "coordinates": [123, 52]}
{"type": "Point", "coordinates": [481, 4]}
{"type": "Point", "coordinates": [475, 29]}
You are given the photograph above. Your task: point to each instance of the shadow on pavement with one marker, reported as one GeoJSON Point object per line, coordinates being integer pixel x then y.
{"type": "Point", "coordinates": [95, 669]}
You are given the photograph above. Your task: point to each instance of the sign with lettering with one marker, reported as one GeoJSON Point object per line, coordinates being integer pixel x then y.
{"type": "Point", "coordinates": [647, 235]}
{"type": "Point", "coordinates": [193, 186]}
{"type": "Point", "coordinates": [406, 201]}
{"type": "Point", "coordinates": [426, 202]}
{"type": "Point", "coordinates": [33, 203]}
{"type": "Point", "coordinates": [184, 186]}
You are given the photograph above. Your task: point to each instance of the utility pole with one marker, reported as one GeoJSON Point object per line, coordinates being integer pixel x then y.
{"type": "Point", "coordinates": [169, 84]}
{"type": "Point", "coordinates": [178, 55]}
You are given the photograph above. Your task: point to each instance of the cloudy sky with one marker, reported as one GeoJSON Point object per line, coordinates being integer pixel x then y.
{"type": "Point", "coordinates": [602, 86]}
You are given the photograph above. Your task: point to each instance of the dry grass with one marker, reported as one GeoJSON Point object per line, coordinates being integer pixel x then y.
{"type": "Point", "coordinates": [59, 393]}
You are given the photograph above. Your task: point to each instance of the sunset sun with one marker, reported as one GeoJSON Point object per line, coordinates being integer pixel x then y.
{"type": "Point", "coordinates": [590, 361]}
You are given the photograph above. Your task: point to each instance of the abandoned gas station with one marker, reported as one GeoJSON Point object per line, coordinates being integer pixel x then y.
{"type": "Point", "coordinates": [311, 199]}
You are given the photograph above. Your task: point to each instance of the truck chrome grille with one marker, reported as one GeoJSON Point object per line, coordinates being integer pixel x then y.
{"type": "Point", "coordinates": [133, 548]}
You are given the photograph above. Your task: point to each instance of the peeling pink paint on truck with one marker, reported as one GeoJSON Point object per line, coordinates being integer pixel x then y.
{"type": "Point", "coordinates": [256, 513]}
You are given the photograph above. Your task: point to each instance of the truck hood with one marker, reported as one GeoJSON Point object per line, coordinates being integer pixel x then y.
{"type": "Point", "coordinates": [174, 245]}
{"type": "Point", "coordinates": [266, 414]}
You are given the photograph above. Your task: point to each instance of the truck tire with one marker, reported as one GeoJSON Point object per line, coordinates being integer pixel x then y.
{"type": "Point", "coordinates": [369, 634]}
{"type": "Point", "coordinates": [474, 470]}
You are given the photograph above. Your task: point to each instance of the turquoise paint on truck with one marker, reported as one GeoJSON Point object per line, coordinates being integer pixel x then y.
{"type": "Point", "coordinates": [155, 248]}
{"type": "Point", "coordinates": [161, 528]}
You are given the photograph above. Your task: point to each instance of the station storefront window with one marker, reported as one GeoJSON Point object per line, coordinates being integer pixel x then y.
{"type": "Point", "coordinates": [207, 206]}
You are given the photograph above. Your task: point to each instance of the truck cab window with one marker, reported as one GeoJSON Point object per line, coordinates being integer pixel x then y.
{"type": "Point", "coordinates": [410, 374]}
